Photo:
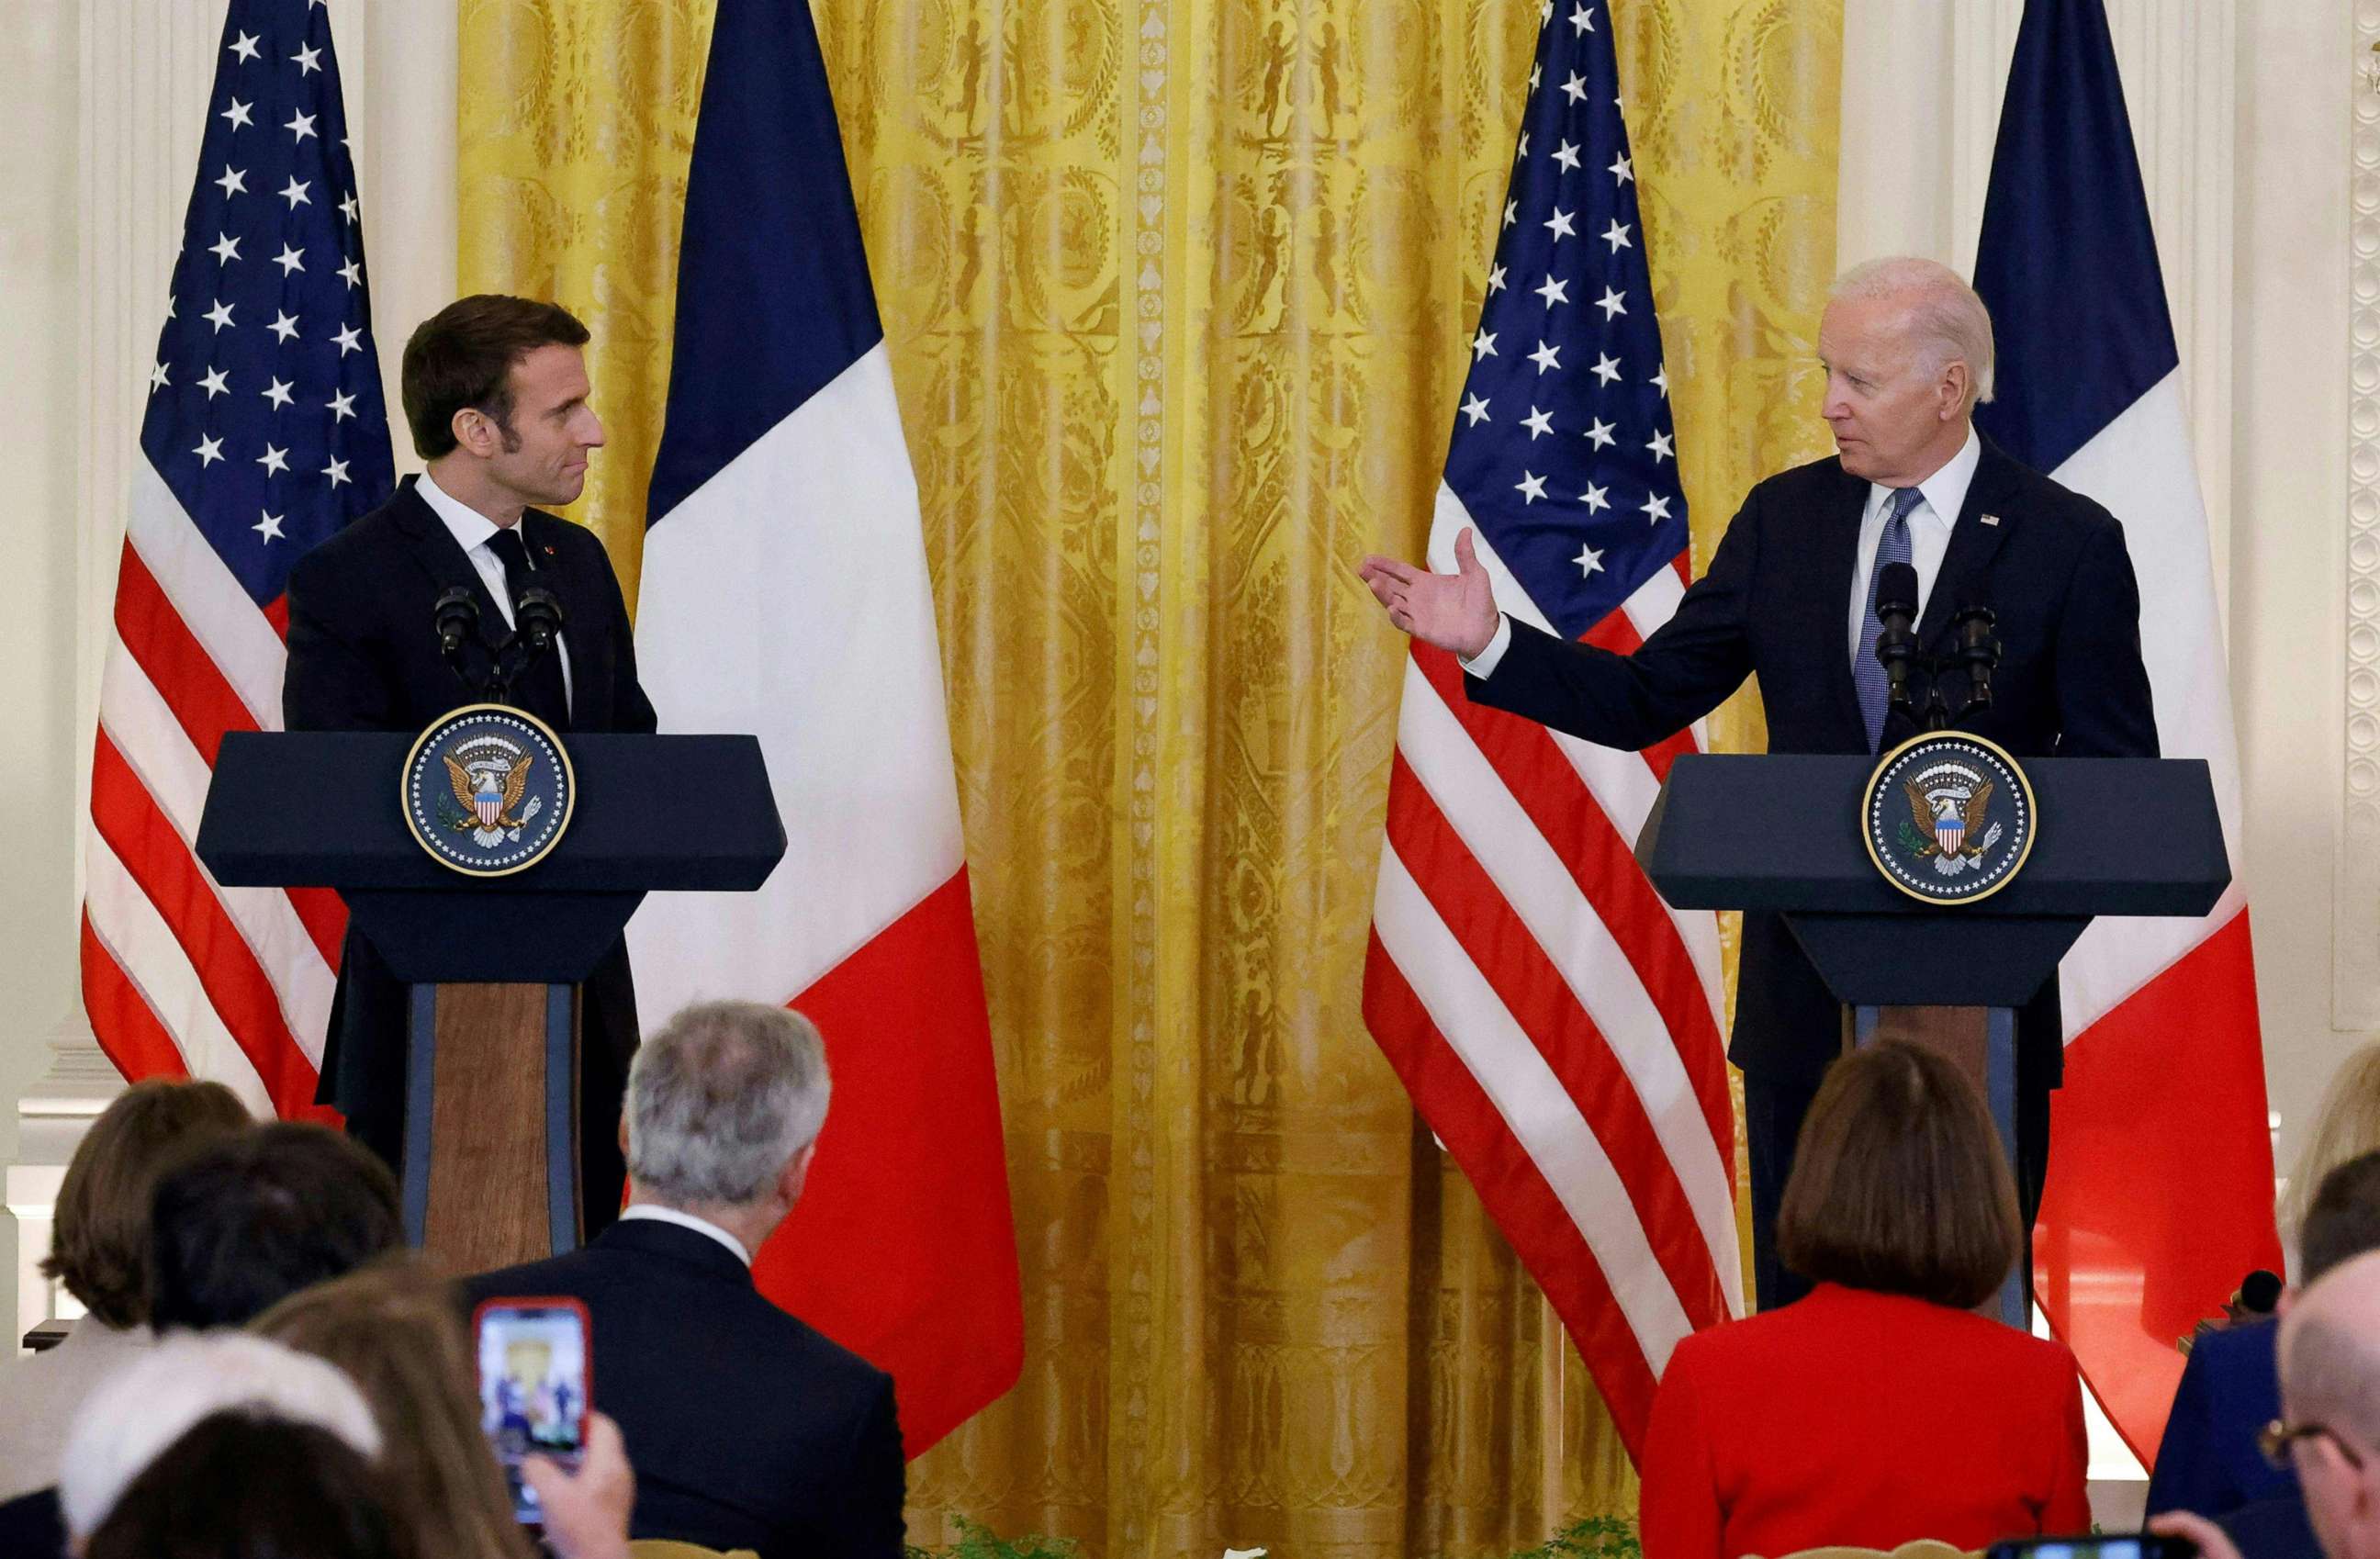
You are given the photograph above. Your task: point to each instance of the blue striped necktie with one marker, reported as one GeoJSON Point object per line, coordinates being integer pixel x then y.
{"type": "Point", "coordinates": [1867, 672]}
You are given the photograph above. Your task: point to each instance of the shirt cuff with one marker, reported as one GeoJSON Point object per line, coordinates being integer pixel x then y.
{"type": "Point", "coordinates": [1483, 665]}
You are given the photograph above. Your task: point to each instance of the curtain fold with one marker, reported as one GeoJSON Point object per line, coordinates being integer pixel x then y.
{"type": "Point", "coordinates": [1177, 293]}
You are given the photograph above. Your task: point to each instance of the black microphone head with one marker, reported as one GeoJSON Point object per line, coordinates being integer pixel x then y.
{"type": "Point", "coordinates": [1896, 590]}
{"type": "Point", "coordinates": [539, 614]}
{"type": "Point", "coordinates": [2259, 1291]}
{"type": "Point", "coordinates": [458, 602]}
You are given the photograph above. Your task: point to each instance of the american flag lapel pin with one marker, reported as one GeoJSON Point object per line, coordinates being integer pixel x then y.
{"type": "Point", "coordinates": [1987, 519]}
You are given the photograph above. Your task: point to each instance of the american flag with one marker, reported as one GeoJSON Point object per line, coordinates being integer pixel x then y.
{"type": "Point", "coordinates": [265, 432]}
{"type": "Point", "coordinates": [1557, 1025]}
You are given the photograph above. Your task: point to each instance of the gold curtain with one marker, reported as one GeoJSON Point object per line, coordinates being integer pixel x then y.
{"type": "Point", "coordinates": [1176, 293]}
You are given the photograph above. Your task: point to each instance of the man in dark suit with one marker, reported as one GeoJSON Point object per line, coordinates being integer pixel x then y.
{"type": "Point", "coordinates": [747, 1428]}
{"type": "Point", "coordinates": [496, 391]}
{"type": "Point", "coordinates": [1790, 598]}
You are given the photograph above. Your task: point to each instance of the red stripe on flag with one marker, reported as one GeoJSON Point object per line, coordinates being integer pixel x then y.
{"type": "Point", "coordinates": [237, 986]}
{"type": "Point", "coordinates": [179, 668]}
{"type": "Point", "coordinates": [205, 705]}
{"type": "Point", "coordinates": [1604, 866]}
{"type": "Point", "coordinates": [902, 1248]}
{"type": "Point", "coordinates": [1508, 955]}
{"type": "Point", "coordinates": [128, 1028]}
{"type": "Point", "coordinates": [1618, 633]}
{"type": "Point", "coordinates": [2166, 1090]}
{"type": "Point", "coordinates": [1513, 1189]}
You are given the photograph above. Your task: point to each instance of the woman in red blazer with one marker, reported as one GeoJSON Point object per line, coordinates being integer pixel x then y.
{"type": "Point", "coordinates": [1881, 1407]}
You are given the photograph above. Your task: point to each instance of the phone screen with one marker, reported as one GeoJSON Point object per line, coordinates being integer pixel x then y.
{"type": "Point", "coordinates": [2105, 1545]}
{"type": "Point", "coordinates": [533, 1386]}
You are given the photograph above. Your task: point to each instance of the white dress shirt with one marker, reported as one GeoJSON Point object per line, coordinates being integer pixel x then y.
{"type": "Point", "coordinates": [1943, 494]}
{"type": "Point", "coordinates": [471, 529]}
{"type": "Point", "coordinates": [660, 1215]}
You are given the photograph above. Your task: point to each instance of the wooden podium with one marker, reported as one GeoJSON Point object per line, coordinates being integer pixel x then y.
{"type": "Point", "coordinates": [491, 1171]}
{"type": "Point", "coordinates": [1781, 832]}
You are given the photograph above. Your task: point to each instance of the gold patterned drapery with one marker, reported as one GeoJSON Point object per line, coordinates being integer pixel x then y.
{"type": "Point", "coordinates": [1176, 293]}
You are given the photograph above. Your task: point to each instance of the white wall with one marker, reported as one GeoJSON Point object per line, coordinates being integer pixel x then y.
{"type": "Point", "coordinates": [104, 111]}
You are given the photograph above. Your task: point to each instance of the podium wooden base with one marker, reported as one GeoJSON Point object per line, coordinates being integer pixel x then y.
{"type": "Point", "coordinates": [491, 1123]}
{"type": "Point", "coordinates": [1981, 1042]}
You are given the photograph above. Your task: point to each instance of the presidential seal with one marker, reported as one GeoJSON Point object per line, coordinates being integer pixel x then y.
{"type": "Point", "coordinates": [1948, 818]}
{"type": "Point", "coordinates": [487, 790]}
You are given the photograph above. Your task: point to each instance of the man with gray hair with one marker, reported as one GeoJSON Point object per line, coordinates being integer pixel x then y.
{"type": "Point", "coordinates": [1790, 598]}
{"type": "Point", "coordinates": [747, 1428]}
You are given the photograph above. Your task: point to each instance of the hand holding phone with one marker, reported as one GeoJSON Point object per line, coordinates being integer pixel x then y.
{"type": "Point", "coordinates": [534, 1378]}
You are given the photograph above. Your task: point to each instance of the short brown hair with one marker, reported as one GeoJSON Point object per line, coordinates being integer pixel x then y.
{"type": "Point", "coordinates": [99, 1245]}
{"type": "Point", "coordinates": [395, 1328]}
{"type": "Point", "coordinates": [1898, 1183]}
{"type": "Point", "coordinates": [462, 356]}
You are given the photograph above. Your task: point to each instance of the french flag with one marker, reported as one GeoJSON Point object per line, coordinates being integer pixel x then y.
{"type": "Point", "coordinates": [2160, 1193]}
{"type": "Point", "coordinates": [785, 594]}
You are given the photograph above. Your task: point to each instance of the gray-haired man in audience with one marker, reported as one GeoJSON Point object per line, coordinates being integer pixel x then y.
{"type": "Point", "coordinates": [747, 1428]}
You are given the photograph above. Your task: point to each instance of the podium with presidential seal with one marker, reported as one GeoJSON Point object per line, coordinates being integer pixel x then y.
{"type": "Point", "coordinates": [1936, 889]}
{"type": "Point", "coordinates": [491, 865]}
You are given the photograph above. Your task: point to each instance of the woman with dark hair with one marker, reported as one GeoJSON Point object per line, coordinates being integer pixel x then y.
{"type": "Point", "coordinates": [99, 1253]}
{"type": "Point", "coordinates": [245, 1486]}
{"type": "Point", "coordinates": [1881, 1407]}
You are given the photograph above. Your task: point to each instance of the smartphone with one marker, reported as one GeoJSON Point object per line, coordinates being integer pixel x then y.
{"type": "Point", "coordinates": [2097, 1545]}
{"type": "Point", "coordinates": [534, 1378]}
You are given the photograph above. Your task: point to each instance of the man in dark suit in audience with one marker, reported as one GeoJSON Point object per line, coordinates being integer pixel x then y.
{"type": "Point", "coordinates": [497, 395]}
{"type": "Point", "coordinates": [235, 1229]}
{"type": "Point", "coordinates": [2209, 1462]}
{"type": "Point", "coordinates": [2329, 1429]}
{"type": "Point", "coordinates": [1790, 598]}
{"type": "Point", "coordinates": [747, 1428]}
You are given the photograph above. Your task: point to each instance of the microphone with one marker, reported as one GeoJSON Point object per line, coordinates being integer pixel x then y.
{"type": "Point", "coordinates": [1896, 644]}
{"type": "Point", "coordinates": [457, 617]}
{"type": "Point", "coordinates": [1979, 651]}
{"type": "Point", "coordinates": [540, 620]}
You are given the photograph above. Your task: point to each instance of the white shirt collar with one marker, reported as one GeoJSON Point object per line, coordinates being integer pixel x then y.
{"type": "Point", "coordinates": [662, 1215]}
{"type": "Point", "coordinates": [470, 527]}
{"type": "Point", "coordinates": [1945, 490]}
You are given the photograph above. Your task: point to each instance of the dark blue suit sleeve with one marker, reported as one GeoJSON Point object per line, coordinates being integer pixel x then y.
{"type": "Point", "coordinates": [334, 679]}
{"type": "Point", "coordinates": [2189, 1474]}
{"type": "Point", "coordinates": [1692, 662]}
{"type": "Point", "coordinates": [872, 1525]}
{"type": "Point", "coordinates": [2105, 707]}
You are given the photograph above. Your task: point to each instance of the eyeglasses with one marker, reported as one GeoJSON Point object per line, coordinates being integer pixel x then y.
{"type": "Point", "coordinates": [2276, 1438]}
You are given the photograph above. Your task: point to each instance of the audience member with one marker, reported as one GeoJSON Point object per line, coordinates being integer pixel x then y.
{"type": "Point", "coordinates": [2209, 1461]}
{"type": "Point", "coordinates": [147, 1405]}
{"type": "Point", "coordinates": [2346, 1125]}
{"type": "Point", "coordinates": [244, 1224]}
{"type": "Point", "coordinates": [1879, 1408]}
{"type": "Point", "coordinates": [747, 1428]}
{"type": "Point", "coordinates": [244, 1486]}
{"type": "Point", "coordinates": [235, 1226]}
{"type": "Point", "coordinates": [392, 1326]}
{"type": "Point", "coordinates": [99, 1253]}
{"type": "Point", "coordinates": [2330, 1427]}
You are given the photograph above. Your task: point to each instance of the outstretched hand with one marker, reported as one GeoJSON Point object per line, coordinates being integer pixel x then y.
{"type": "Point", "coordinates": [1455, 611]}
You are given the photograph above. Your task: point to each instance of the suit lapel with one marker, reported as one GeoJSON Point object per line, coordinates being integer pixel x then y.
{"type": "Point", "coordinates": [1973, 543]}
{"type": "Point", "coordinates": [441, 557]}
{"type": "Point", "coordinates": [1837, 555]}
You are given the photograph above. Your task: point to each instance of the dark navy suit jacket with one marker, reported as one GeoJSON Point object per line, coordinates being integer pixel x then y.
{"type": "Point", "coordinates": [1773, 604]}
{"type": "Point", "coordinates": [2208, 1461]}
{"type": "Point", "coordinates": [747, 1428]}
{"type": "Point", "coordinates": [363, 656]}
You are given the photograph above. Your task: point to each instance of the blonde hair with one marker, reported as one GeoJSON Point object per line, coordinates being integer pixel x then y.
{"type": "Point", "coordinates": [1946, 316]}
{"type": "Point", "coordinates": [395, 1328]}
{"type": "Point", "coordinates": [2346, 1125]}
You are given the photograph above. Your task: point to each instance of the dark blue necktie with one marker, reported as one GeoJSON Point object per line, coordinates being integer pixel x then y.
{"type": "Point", "coordinates": [1867, 672]}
